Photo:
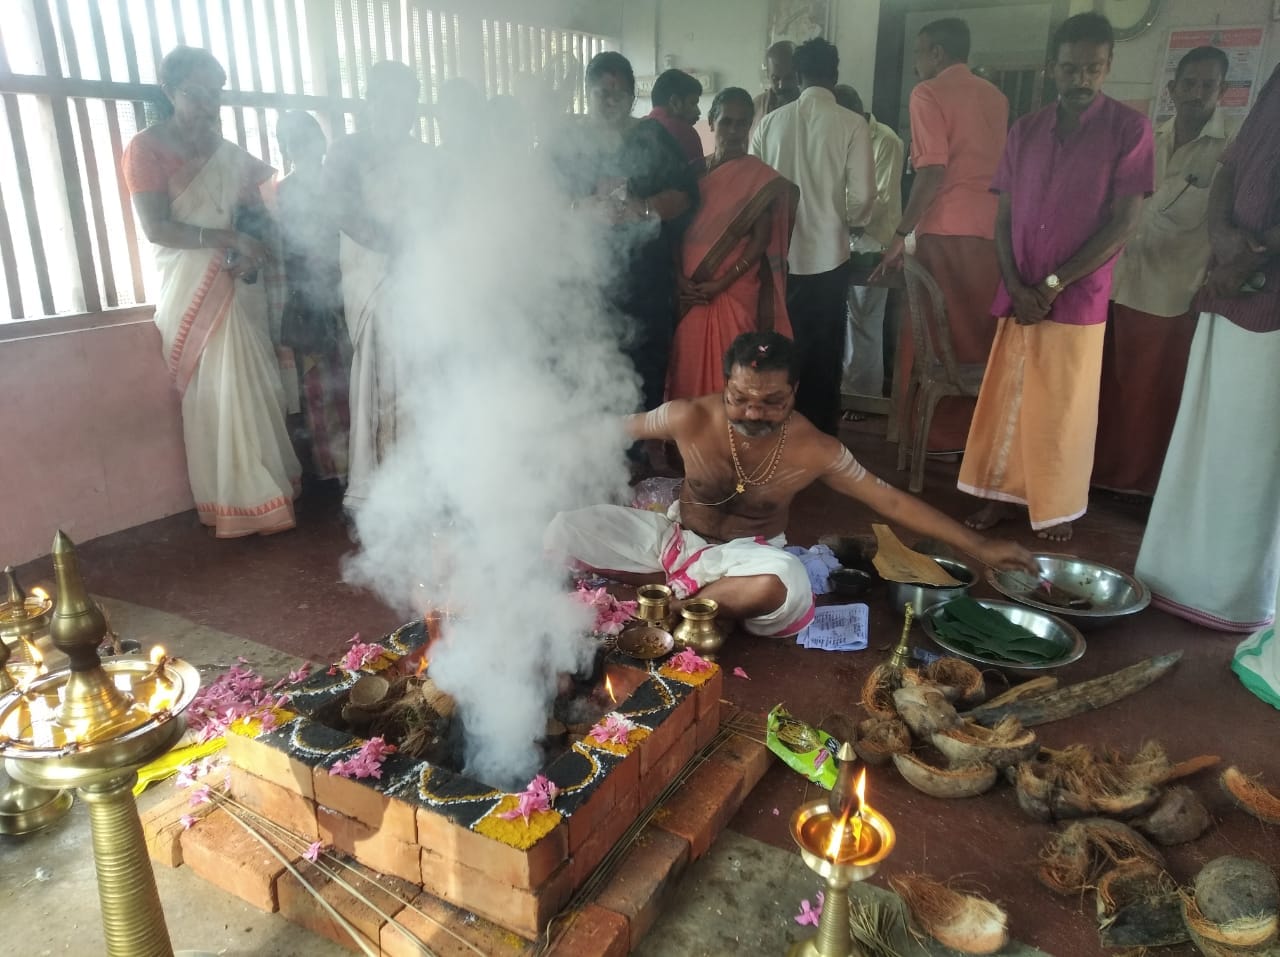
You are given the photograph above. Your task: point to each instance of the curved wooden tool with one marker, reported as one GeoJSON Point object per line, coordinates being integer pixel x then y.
{"type": "Point", "coordinates": [1078, 698]}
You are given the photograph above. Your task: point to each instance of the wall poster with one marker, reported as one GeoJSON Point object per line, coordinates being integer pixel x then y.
{"type": "Point", "coordinates": [800, 20]}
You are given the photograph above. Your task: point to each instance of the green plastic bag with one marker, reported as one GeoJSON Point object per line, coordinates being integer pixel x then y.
{"type": "Point", "coordinates": [1257, 664]}
{"type": "Point", "coordinates": [805, 749]}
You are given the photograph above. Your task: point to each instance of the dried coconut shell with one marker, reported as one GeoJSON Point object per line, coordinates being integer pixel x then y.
{"type": "Point", "coordinates": [1139, 906]}
{"type": "Point", "coordinates": [1250, 796]}
{"type": "Point", "coordinates": [925, 710]}
{"type": "Point", "coordinates": [878, 689]}
{"type": "Point", "coordinates": [963, 922]}
{"type": "Point", "coordinates": [879, 739]}
{"type": "Point", "coordinates": [1236, 902]}
{"type": "Point", "coordinates": [1004, 745]}
{"type": "Point", "coordinates": [1180, 816]}
{"type": "Point", "coordinates": [959, 680]}
{"type": "Point", "coordinates": [957, 782]}
{"type": "Point", "coordinates": [1074, 859]}
{"type": "Point", "coordinates": [1078, 781]}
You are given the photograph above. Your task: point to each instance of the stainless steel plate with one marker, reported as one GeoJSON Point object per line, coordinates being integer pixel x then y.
{"type": "Point", "coordinates": [1057, 634]}
{"type": "Point", "coordinates": [1081, 591]}
{"type": "Point", "coordinates": [645, 642]}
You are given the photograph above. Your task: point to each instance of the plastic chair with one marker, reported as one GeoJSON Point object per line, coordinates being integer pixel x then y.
{"type": "Point", "coordinates": [935, 374]}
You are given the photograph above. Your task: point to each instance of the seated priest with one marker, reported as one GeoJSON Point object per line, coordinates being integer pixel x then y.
{"type": "Point", "coordinates": [747, 453]}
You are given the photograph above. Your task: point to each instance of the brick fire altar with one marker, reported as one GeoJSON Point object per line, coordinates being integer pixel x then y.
{"type": "Point", "coordinates": [440, 832]}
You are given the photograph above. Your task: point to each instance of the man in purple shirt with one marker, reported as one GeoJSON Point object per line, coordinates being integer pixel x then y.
{"type": "Point", "coordinates": [675, 105]}
{"type": "Point", "coordinates": [1071, 184]}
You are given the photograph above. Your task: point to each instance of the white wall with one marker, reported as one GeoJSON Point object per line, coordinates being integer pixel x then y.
{"type": "Point", "coordinates": [1134, 68]}
{"type": "Point", "coordinates": [728, 38]}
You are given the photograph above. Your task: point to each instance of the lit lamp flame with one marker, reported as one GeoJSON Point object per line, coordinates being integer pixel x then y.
{"type": "Point", "coordinates": [157, 654]}
{"type": "Point", "coordinates": [608, 686]}
{"type": "Point", "coordinates": [161, 698]}
{"type": "Point", "coordinates": [40, 594]}
{"type": "Point", "coordinates": [848, 828]}
{"type": "Point", "coordinates": [423, 663]}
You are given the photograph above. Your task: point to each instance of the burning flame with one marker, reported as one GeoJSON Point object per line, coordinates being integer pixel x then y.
{"type": "Point", "coordinates": [157, 654]}
{"type": "Point", "coordinates": [848, 829]}
{"type": "Point", "coordinates": [423, 664]}
{"type": "Point", "coordinates": [40, 594]}
{"type": "Point", "coordinates": [608, 686]}
{"type": "Point", "coordinates": [161, 697]}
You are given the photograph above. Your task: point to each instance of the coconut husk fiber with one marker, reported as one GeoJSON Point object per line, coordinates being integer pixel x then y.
{"type": "Point", "coordinates": [1250, 795]}
{"type": "Point", "coordinates": [879, 739]}
{"type": "Point", "coordinates": [878, 689]}
{"type": "Point", "coordinates": [1139, 906]}
{"type": "Point", "coordinates": [1075, 859]}
{"type": "Point", "coordinates": [959, 680]}
{"type": "Point", "coordinates": [1079, 781]}
{"type": "Point", "coordinates": [1007, 743]}
{"type": "Point", "coordinates": [963, 922]}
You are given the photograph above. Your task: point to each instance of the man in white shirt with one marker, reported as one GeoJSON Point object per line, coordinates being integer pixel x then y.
{"type": "Point", "coordinates": [825, 150]}
{"type": "Point", "coordinates": [864, 348]}
{"type": "Point", "coordinates": [1148, 338]}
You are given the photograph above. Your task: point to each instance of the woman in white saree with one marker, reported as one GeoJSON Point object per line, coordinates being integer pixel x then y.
{"type": "Point", "coordinates": [187, 184]}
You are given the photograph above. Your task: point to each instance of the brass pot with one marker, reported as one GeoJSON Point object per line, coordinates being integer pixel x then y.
{"type": "Point", "coordinates": [653, 605]}
{"type": "Point", "coordinates": [698, 628]}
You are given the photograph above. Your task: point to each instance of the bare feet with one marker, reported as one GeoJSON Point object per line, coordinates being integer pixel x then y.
{"type": "Point", "coordinates": [990, 515]}
{"type": "Point", "coordinates": [1056, 533]}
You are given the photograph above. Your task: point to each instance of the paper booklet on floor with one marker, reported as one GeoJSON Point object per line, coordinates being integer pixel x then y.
{"type": "Point", "coordinates": [837, 628]}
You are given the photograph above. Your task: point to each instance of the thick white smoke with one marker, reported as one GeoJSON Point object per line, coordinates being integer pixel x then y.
{"type": "Point", "coordinates": [512, 387]}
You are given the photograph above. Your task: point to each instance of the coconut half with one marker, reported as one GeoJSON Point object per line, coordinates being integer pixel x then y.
{"type": "Point", "coordinates": [1236, 902]}
{"type": "Point", "coordinates": [878, 689]}
{"type": "Point", "coordinates": [1250, 796]}
{"type": "Point", "coordinates": [957, 782]}
{"type": "Point", "coordinates": [925, 710]}
{"type": "Point", "coordinates": [1005, 744]}
{"type": "Point", "coordinates": [1139, 906]}
{"type": "Point", "coordinates": [963, 922]}
{"type": "Point", "coordinates": [879, 739]}
{"type": "Point", "coordinates": [1075, 858]}
{"type": "Point", "coordinates": [958, 680]}
{"type": "Point", "coordinates": [1180, 816]}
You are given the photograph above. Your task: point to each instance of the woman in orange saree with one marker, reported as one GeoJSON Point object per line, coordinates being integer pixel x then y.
{"type": "Point", "coordinates": [733, 261]}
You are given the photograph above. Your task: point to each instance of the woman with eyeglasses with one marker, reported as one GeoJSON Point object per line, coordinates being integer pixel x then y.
{"type": "Point", "coordinates": [190, 189]}
{"type": "Point", "coordinates": [632, 177]}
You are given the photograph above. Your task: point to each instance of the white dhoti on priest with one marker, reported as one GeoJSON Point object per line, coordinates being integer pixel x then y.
{"type": "Point", "coordinates": [614, 538]}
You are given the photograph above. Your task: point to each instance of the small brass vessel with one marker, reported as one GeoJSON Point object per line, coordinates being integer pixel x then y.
{"type": "Point", "coordinates": [698, 628]}
{"type": "Point", "coordinates": [653, 605]}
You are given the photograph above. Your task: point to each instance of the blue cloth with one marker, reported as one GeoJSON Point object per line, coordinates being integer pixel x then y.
{"type": "Point", "coordinates": [819, 562]}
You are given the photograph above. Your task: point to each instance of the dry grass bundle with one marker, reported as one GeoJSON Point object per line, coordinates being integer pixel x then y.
{"type": "Point", "coordinates": [963, 922]}
{"type": "Point", "coordinates": [878, 689]}
{"type": "Point", "coordinates": [959, 680]}
{"type": "Point", "coordinates": [925, 710]}
{"type": "Point", "coordinates": [956, 782]}
{"type": "Point", "coordinates": [881, 738]}
{"type": "Point", "coordinates": [1005, 744]}
{"type": "Point", "coordinates": [1180, 816]}
{"type": "Point", "coordinates": [878, 926]}
{"type": "Point", "coordinates": [1074, 859]}
{"type": "Point", "coordinates": [1250, 796]}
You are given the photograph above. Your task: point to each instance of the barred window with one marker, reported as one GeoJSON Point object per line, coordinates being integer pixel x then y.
{"type": "Point", "coordinates": [77, 79]}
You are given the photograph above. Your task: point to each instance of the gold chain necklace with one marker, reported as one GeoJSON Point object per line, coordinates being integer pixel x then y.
{"type": "Point", "coordinates": [764, 473]}
{"type": "Point", "coordinates": [758, 477]}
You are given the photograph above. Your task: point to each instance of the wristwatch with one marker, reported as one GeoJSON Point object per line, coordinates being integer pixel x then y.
{"type": "Point", "coordinates": [1052, 281]}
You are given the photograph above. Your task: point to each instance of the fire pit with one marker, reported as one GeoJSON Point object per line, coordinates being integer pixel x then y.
{"type": "Point", "coordinates": [426, 821]}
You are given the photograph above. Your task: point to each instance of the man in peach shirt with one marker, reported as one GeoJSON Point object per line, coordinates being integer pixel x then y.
{"type": "Point", "coordinates": [958, 126]}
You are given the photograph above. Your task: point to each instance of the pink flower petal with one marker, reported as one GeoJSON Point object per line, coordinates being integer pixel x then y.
{"type": "Point", "coordinates": [776, 812]}
{"type": "Point", "coordinates": [739, 673]}
{"type": "Point", "coordinates": [187, 820]}
{"type": "Point", "coordinates": [312, 853]}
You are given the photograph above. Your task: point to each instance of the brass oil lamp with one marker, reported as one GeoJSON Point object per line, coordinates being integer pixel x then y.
{"type": "Point", "coordinates": [24, 640]}
{"type": "Point", "coordinates": [91, 726]}
{"type": "Point", "coordinates": [842, 840]}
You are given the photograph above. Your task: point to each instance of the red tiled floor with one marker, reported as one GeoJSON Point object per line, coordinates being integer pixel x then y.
{"type": "Point", "coordinates": [286, 592]}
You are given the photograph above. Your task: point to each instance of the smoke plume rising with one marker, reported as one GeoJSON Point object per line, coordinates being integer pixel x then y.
{"type": "Point", "coordinates": [511, 385]}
